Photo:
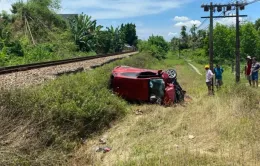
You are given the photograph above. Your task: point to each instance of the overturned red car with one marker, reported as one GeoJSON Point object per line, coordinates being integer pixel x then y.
{"type": "Point", "coordinates": [145, 85]}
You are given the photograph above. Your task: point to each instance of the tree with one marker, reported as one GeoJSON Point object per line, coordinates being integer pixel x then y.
{"type": "Point", "coordinates": [103, 42]}
{"type": "Point", "coordinates": [158, 46]}
{"type": "Point", "coordinates": [83, 30]}
{"type": "Point", "coordinates": [193, 31]}
{"type": "Point", "coordinates": [38, 17]}
{"type": "Point", "coordinates": [193, 35]}
{"type": "Point", "coordinates": [249, 40]}
{"type": "Point", "coordinates": [183, 32]}
{"type": "Point", "coordinates": [142, 45]}
{"type": "Point", "coordinates": [128, 32]}
{"type": "Point", "coordinates": [184, 37]}
{"type": "Point", "coordinates": [174, 44]}
{"type": "Point", "coordinates": [117, 43]}
{"type": "Point", "coordinates": [224, 43]}
{"type": "Point", "coordinates": [201, 35]}
{"type": "Point", "coordinates": [257, 24]}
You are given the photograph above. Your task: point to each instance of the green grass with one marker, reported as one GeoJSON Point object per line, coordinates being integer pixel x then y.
{"type": "Point", "coordinates": [224, 127]}
{"type": "Point", "coordinates": [43, 125]}
{"type": "Point", "coordinates": [59, 113]}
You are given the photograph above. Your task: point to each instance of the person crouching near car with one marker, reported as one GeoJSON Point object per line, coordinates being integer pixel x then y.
{"type": "Point", "coordinates": [209, 83]}
{"type": "Point", "coordinates": [218, 76]}
{"type": "Point", "coordinates": [248, 69]}
{"type": "Point", "coordinates": [254, 72]}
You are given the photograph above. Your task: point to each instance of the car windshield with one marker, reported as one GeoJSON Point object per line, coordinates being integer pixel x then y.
{"type": "Point", "coordinates": [134, 75]}
{"type": "Point", "coordinates": [147, 74]}
{"type": "Point", "coordinates": [157, 87]}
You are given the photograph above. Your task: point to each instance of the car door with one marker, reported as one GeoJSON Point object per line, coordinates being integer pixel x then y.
{"type": "Point", "coordinates": [132, 88]}
{"type": "Point", "coordinates": [170, 95]}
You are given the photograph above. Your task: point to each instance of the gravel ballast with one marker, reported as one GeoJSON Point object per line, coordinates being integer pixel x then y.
{"type": "Point", "coordinates": [38, 76]}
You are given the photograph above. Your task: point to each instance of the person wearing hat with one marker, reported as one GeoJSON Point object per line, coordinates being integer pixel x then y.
{"type": "Point", "coordinates": [254, 72]}
{"type": "Point", "coordinates": [209, 76]}
{"type": "Point", "coordinates": [248, 69]}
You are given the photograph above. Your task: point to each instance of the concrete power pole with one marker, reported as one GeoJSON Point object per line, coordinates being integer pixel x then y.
{"type": "Point", "coordinates": [226, 7]}
{"type": "Point", "coordinates": [211, 53]}
{"type": "Point", "coordinates": [237, 44]}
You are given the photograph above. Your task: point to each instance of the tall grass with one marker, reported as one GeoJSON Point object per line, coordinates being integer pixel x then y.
{"type": "Point", "coordinates": [41, 125]}
{"type": "Point", "coordinates": [224, 126]}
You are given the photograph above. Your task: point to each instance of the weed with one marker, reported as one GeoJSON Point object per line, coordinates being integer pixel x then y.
{"type": "Point", "coordinates": [52, 118]}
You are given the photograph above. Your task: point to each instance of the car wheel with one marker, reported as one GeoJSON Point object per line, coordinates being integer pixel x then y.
{"type": "Point", "coordinates": [171, 73]}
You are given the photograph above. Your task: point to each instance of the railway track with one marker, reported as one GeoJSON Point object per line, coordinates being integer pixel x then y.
{"type": "Point", "coordinates": [22, 76]}
{"type": "Point", "coordinates": [18, 68]}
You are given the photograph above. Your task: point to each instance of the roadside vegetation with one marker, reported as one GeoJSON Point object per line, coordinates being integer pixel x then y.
{"type": "Point", "coordinates": [218, 130]}
{"type": "Point", "coordinates": [42, 125]}
{"type": "Point", "coordinates": [34, 32]}
{"type": "Point", "coordinates": [224, 42]}
{"type": "Point", "coordinates": [61, 121]}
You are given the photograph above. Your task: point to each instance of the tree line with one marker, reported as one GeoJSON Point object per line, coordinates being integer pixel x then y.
{"type": "Point", "coordinates": [224, 40]}
{"type": "Point", "coordinates": [194, 39]}
{"type": "Point", "coordinates": [33, 31]}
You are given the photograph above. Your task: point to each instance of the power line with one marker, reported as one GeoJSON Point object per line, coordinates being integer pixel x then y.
{"type": "Point", "coordinates": [214, 18]}
{"type": "Point", "coordinates": [226, 7]}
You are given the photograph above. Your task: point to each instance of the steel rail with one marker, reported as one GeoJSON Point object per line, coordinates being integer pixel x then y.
{"type": "Point", "coordinates": [24, 67]}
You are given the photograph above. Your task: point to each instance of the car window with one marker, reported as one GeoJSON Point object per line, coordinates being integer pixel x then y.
{"type": "Point", "coordinates": [134, 75]}
{"type": "Point", "coordinates": [157, 87]}
{"type": "Point", "coordinates": [147, 74]}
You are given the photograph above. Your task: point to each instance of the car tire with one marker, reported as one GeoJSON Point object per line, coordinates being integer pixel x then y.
{"type": "Point", "coordinates": [171, 73]}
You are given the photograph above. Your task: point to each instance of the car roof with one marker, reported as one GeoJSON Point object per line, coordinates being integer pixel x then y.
{"type": "Point", "coordinates": [132, 72]}
{"type": "Point", "coordinates": [129, 69]}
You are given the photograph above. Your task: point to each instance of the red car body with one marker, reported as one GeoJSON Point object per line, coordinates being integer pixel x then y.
{"type": "Point", "coordinates": [143, 85]}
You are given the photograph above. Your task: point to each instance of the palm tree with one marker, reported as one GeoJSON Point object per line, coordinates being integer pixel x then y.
{"type": "Point", "coordinates": [116, 42]}
{"type": "Point", "coordinates": [193, 30]}
{"type": "Point", "coordinates": [84, 30]}
{"type": "Point", "coordinates": [194, 35]}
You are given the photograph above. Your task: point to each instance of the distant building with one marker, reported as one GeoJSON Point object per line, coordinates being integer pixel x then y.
{"type": "Point", "coordinates": [67, 16]}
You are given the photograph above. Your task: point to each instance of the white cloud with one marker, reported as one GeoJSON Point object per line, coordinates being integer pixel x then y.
{"type": "Point", "coordinates": [180, 18]}
{"type": "Point", "coordinates": [111, 9]}
{"type": "Point", "coordinates": [115, 9]}
{"type": "Point", "coordinates": [228, 20]}
{"type": "Point", "coordinates": [188, 24]}
{"type": "Point", "coordinates": [6, 5]}
{"type": "Point", "coordinates": [172, 34]}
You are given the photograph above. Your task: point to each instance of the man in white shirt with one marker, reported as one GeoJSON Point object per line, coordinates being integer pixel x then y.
{"type": "Point", "coordinates": [209, 76]}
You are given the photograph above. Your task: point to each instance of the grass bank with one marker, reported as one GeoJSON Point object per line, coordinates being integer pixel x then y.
{"type": "Point", "coordinates": [42, 125]}
{"type": "Point", "coordinates": [218, 130]}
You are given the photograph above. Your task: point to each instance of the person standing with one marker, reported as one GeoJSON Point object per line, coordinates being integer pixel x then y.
{"type": "Point", "coordinates": [254, 72]}
{"type": "Point", "coordinates": [248, 70]}
{"type": "Point", "coordinates": [218, 76]}
{"type": "Point", "coordinates": [209, 83]}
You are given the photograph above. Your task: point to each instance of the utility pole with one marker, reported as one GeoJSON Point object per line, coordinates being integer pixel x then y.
{"type": "Point", "coordinates": [211, 37]}
{"type": "Point", "coordinates": [211, 45]}
{"type": "Point", "coordinates": [179, 47]}
{"type": "Point", "coordinates": [237, 45]}
{"type": "Point", "coordinates": [226, 7]}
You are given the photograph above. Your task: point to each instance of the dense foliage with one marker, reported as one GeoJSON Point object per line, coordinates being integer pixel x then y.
{"type": "Point", "coordinates": [35, 32]}
{"type": "Point", "coordinates": [156, 45]}
{"type": "Point", "coordinates": [224, 41]}
{"type": "Point", "coordinates": [59, 113]}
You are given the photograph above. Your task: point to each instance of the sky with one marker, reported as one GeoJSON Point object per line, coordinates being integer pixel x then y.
{"type": "Point", "coordinates": [151, 17]}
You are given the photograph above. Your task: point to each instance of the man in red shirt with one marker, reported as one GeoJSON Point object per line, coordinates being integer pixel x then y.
{"type": "Point", "coordinates": [248, 69]}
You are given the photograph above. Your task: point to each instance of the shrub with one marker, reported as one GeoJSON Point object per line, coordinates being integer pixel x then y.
{"type": "Point", "coordinates": [59, 113]}
{"type": "Point", "coordinates": [156, 46]}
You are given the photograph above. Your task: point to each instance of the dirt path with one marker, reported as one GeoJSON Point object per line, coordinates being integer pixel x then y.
{"type": "Point", "coordinates": [193, 67]}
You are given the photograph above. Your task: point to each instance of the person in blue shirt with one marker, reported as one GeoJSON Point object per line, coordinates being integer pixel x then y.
{"type": "Point", "coordinates": [254, 72]}
{"type": "Point", "coordinates": [218, 75]}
